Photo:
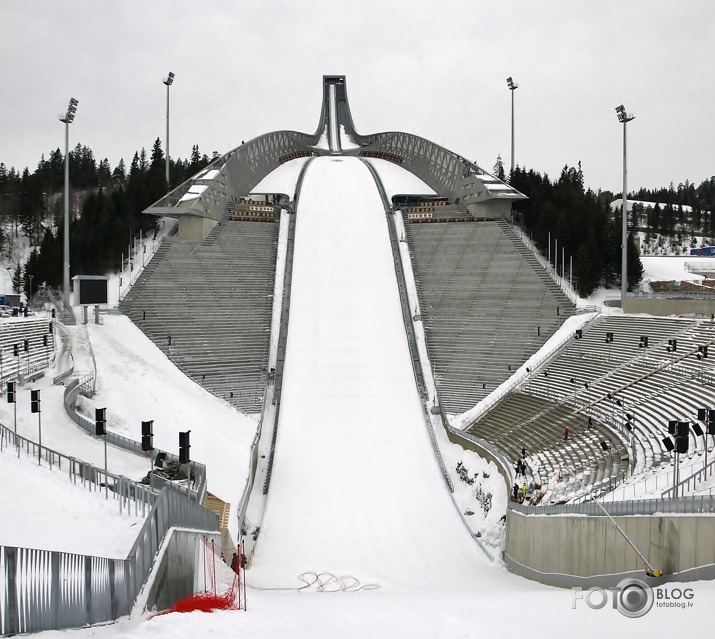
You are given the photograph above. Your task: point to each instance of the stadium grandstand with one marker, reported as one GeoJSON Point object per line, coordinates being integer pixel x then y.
{"type": "Point", "coordinates": [586, 407]}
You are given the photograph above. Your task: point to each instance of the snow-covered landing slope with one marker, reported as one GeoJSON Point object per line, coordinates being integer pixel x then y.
{"type": "Point", "coordinates": [355, 488]}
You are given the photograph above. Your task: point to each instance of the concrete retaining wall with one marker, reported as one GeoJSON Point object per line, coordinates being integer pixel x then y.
{"type": "Point", "coordinates": [665, 306]}
{"type": "Point", "coordinates": [471, 443]}
{"type": "Point", "coordinates": [195, 228]}
{"type": "Point", "coordinates": [174, 575]}
{"type": "Point", "coordinates": [569, 550]}
{"type": "Point", "coordinates": [491, 208]}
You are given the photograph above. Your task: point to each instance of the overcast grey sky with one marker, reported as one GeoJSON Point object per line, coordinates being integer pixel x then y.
{"type": "Point", "coordinates": [434, 68]}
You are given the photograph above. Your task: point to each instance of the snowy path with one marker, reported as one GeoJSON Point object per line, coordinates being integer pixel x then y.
{"type": "Point", "coordinates": [355, 488]}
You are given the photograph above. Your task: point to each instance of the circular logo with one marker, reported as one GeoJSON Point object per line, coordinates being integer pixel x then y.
{"type": "Point", "coordinates": [635, 597]}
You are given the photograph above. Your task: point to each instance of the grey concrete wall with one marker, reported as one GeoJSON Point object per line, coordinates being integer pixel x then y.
{"type": "Point", "coordinates": [566, 549]}
{"type": "Point", "coordinates": [469, 444]}
{"type": "Point", "coordinates": [174, 574]}
{"type": "Point", "coordinates": [195, 228]}
{"type": "Point", "coordinates": [491, 208]}
{"type": "Point", "coordinates": [669, 306]}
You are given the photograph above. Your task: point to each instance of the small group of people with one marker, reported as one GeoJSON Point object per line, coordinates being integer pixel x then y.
{"type": "Point", "coordinates": [530, 494]}
{"type": "Point", "coordinates": [520, 466]}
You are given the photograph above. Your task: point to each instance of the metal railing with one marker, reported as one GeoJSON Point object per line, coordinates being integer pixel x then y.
{"type": "Point", "coordinates": [506, 467]}
{"type": "Point", "coordinates": [156, 245]}
{"type": "Point", "coordinates": [124, 491]}
{"type": "Point", "coordinates": [648, 484]}
{"type": "Point", "coordinates": [695, 478]}
{"type": "Point", "coordinates": [681, 505]}
{"type": "Point", "coordinates": [408, 323]}
{"type": "Point", "coordinates": [519, 378]}
{"type": "Point", "coordinates": [197, 490]}
{"type": "Point", "coordinates": [562, 283]}
{"type": "Point", "coordinates": [52, 590]}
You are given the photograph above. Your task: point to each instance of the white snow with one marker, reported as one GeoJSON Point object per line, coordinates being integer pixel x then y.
{"type": "Point", "coordinates": [41, 508]}
{"type": "Point", "coordinates": [346, 141]}
{"type": "Point", "coordinates": [283, 179]}
{"type": "Point", "coordinates": [350, 411]}
{"type": "Point", "coordinates": [399, 181]}
{"type": "Point", "coordinates": [667, 268]}
{"type": "Point", "coordinates": [209, 175]}
{"type": "Point", "coordinates": [356, 489]}
{"type": "Point", "coordinates": [323, 141]}
{"type": "Point", "coordinates": [617, 205]}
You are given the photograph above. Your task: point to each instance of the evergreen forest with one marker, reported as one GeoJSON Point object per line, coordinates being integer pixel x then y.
{"type": "Point", "coordinates": [106, 205]}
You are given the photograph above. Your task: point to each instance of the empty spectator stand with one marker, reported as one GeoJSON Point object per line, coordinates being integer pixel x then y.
{"type": "Point", "coordinates": [27, 346]}
{"type": "Point", "coordinates": [208, 306]}
{"type": "Point", "coordinates": [628, 389]}
{"type": "Point", "coordinates": [486, 303]}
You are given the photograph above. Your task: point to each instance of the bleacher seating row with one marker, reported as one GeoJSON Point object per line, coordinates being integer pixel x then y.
{"type": "Point", "coordinates": [383, 155]}
{"type": "Point", "coordinates": [582, 462]}
{"type": "Point", "coordinates": [257, 216]}
{"type": "Point", "coordinates": [419, 219]}
{"type": "Point", "coordinates": [26, 346]}
{"type": "Point", "coordinates": [248, 201]}
{"type": "Point", "coordinates": [294, 156]}
{"type": "Point", "coordinates": [486, 304]}
{"type": "Point", "coordinates": [620, 386]}
{"type": "Point", "coordinates": [208, 306]}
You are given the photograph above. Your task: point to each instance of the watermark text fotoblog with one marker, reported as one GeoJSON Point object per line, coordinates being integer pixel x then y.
{"type": "Point", "coordinates": [633, 597]}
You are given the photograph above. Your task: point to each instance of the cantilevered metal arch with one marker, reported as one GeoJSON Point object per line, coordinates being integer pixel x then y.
{"type": "Point", "coordinates": [235, 174]}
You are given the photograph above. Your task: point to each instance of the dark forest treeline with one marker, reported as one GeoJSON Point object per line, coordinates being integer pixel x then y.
{"type": "Point", "coordinates": [107, 205]}
{"type": "Point", "coordinates": [582, 223]}
{"type": "Point", "coordinates": [589, 230]}
{"type": "Point", "coordinates": [106, 210]}
{"type": "Point", "coordinates": [700, 198]}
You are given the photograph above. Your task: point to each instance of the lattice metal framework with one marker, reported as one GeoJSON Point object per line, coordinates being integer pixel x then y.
{"type": "Point", "coordinates": [236, 173]}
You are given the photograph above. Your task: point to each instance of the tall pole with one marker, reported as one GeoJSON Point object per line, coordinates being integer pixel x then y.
{"type": "Point", "coordinates": [168, 82]}
{"type": "Point", "coordinates": [624, 118]}
{"type": "Point", "coordinates": [513, 86]}
{"type": "Point", "coordinates": [67, 119]}
{"type": "Point", "coordinates": [106, 472]}
{"type": "Point", "coordinates": [624, 223]}
{"type": "Point", "coordinates": [66, 253]}
{"type": "Point", "coordinates": [167, 136]}
{"type": "Point", "coordinates": [512, 132]}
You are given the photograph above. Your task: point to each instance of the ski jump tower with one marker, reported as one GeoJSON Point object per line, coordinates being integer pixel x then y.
{"type": "Point", "coordinates": [200, 202]}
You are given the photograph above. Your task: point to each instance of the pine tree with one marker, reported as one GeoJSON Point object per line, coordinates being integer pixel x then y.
{"type": "Point", "coordinates": [120, 172]}
{"type": "Point", "coordinates": [17, 279]}
{"type": "Point", "coordinates": [634, 264]}
{"type": "Point", "coordinates": [587, 267]}
{"type": "Point", "coordinates": [157, 156]}
{"type": "Point", "coordinates": [499, 169]}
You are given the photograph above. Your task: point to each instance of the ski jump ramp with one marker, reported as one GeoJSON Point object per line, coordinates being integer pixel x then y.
{"type": "Point", "coordinates": [356, 490]}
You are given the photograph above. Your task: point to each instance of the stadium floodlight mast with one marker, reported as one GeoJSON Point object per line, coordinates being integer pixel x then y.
{"type": "Point", "coordinates": [67, 119]}
{"type": "Point", "coordinates": [624, 118]}
{"type": "Point", "coordinates": [168, 82]}
{"type": "Point", "coordinates": [513, 86]}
